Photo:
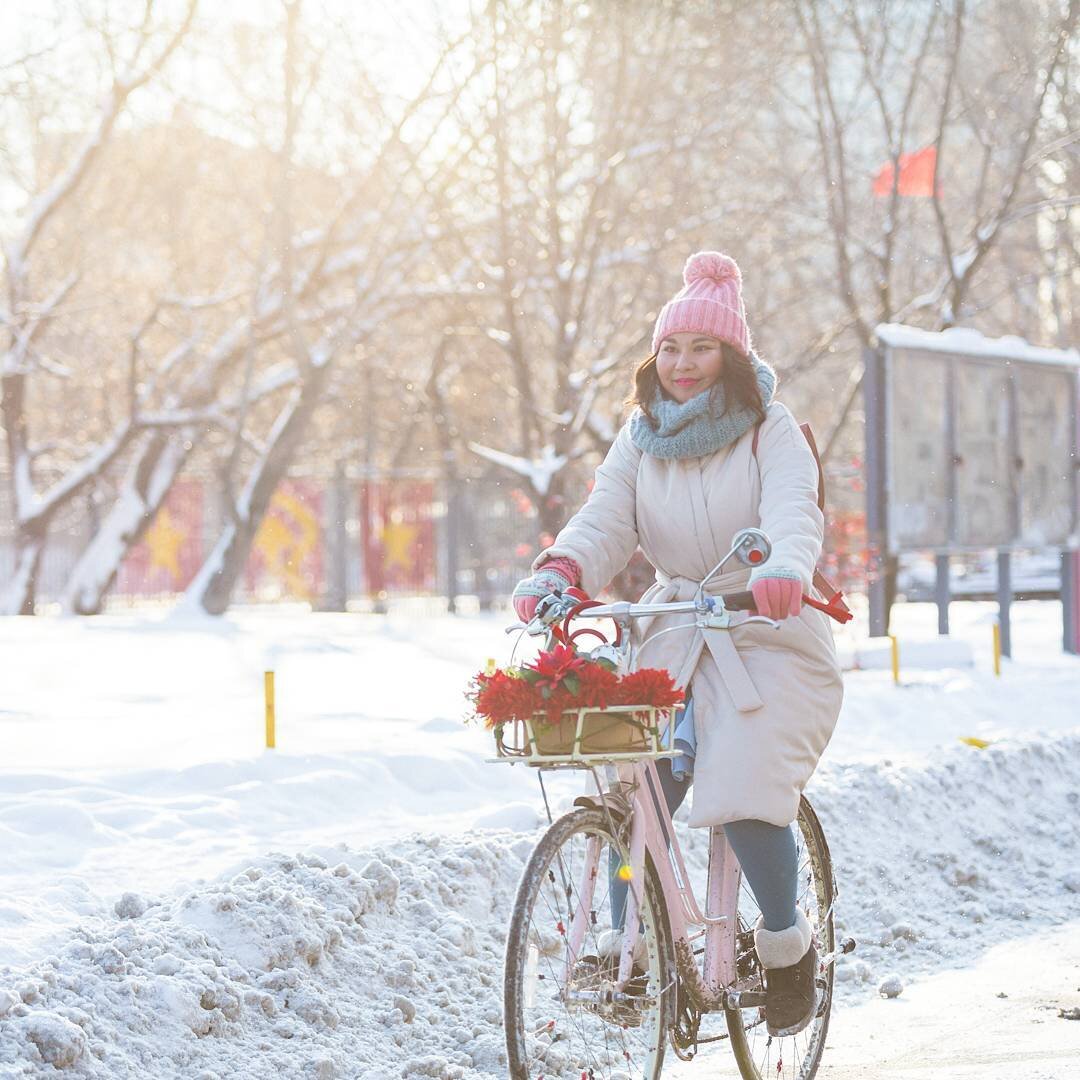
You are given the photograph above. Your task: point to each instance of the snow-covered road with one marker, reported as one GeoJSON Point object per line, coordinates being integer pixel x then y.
{"type": "Point", "coordinates": [132, 763]}
{"type": "Point", "coordinates": [999, 1019]}
{"type": "Point", "coordinates": [996, 1020]}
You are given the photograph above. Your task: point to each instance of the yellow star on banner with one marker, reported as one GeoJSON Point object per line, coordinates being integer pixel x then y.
{"type": "Point", "coordinates": [163, 539]}
{"type": "Point", "coordinates": [275, 542]}
{"type": "Point", "coordinates": [397, 538]}
{"type": "Point", "coordinates": [285, 539]}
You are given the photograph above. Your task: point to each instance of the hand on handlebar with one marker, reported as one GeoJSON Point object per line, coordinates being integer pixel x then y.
{"type": "Point", "coordinates": [777, 597]}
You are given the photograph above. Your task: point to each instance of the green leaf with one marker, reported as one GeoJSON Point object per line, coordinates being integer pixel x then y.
{"type": "Point", "coordinates": [530, 676]}
{"type": "Point", "coordinates": [572, 683]}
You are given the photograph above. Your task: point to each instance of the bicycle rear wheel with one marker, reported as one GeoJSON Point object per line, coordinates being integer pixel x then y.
{"type": "Point", "coordinates": [560, 1019]}
{"type": "Point", "coordinates": [761, 1056]}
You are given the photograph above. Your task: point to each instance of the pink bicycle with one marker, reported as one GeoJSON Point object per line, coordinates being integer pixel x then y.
{"type": "Point", "coordinates": [569, 1010]}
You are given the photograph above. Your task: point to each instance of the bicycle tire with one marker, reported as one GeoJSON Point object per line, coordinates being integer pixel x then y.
{"type": "Point", "coordinates": [759, 1055]}
{"type": "Point", "coordinates": [555, 1039]}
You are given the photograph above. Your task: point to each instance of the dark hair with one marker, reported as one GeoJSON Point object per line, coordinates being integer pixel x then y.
{"type": "Point", "coordinates": [738, 379]}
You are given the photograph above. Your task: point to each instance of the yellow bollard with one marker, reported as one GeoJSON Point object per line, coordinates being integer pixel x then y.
{"type": "Point", "coordinates": [895, 659]}
{"type": "Point", "coordinates": [997, 648]}
{"type": "Point", "coordinates": [268, 693]}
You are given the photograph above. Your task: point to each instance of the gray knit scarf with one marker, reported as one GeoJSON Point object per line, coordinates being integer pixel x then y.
{"type": "Point", "coordinates": [701, 425]}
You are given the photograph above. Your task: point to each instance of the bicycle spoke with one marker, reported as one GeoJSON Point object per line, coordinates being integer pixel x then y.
{"type": "Point", "coordinates": [765, 1057]}
{"type": "Point", "coordinates": [572, 1037]}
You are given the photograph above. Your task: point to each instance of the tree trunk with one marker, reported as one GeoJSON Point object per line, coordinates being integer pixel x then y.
{"type": "Point", "coordinates": [213, 585]}
{"type": "Point", "coordinates": [145, 488]}
{"type": "Point", "coordinates": [17, 597]}
{"type": "Point", "coordinates": [552, 508]}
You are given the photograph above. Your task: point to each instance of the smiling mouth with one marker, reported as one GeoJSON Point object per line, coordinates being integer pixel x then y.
{"type": "Point", "coordinates": [685, 382]}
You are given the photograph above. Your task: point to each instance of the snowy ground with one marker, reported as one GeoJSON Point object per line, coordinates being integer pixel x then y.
{"type": "Point", "coordinates": [133, 764]}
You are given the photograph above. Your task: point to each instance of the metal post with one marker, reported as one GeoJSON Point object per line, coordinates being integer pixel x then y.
{"type": "Point", "coordinates": [1074, 558]}
{"type": "Point", "coordinates": [876, 524]}
{"type": "Point", "coordinates": [942, 591]}
{"type": "Point", "coordinates": [952, 456]}
{"type": "Point", "coordinates": [337, 586]}
{"type": "Point", "coordinates": [1070, 559]}
{"type": "Point", "coordinates": [1015, 462]}
{"type": "Point", "coordinates": [268, 707]}
{"type": "Point", "coordinates": [373, 561]}
{"type": "Point", "coordinates": [452, 511]}
{"type": "Point", "coordinates": [1004, 590]}
{"type": "Point", "coordinates": [1068, 609]}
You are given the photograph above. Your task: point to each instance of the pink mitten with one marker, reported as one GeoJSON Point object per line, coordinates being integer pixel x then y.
{"type": "Point", "coordinates": [778, 596]}
{"type": "Point", "coordinates": [555, 575]}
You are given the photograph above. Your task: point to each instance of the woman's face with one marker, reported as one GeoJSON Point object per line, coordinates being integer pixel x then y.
{"type": "Point", "coordinates": [688, 364]}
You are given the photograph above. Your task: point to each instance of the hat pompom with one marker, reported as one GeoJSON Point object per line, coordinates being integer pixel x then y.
{"type": "Point", "coordinates": [713, 265]}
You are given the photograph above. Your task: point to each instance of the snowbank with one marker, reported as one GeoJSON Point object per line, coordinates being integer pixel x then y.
{"type": "Point", "coordinates": [386, 962]}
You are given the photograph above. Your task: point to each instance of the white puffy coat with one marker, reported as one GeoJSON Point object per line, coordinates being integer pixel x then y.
{"type": "Point", "coordinates": [765, 701]}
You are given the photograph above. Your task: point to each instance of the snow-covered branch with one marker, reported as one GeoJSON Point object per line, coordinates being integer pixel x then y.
{"type": "Point", "coordinates": [538, 471]}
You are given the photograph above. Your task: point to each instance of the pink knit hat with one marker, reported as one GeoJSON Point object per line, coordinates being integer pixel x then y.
{"type": "Point", "coordinates": [710, 302]}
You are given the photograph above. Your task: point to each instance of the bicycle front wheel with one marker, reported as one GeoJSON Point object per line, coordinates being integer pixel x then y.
{"type": "Point", "coordinates": [761, 1056]}
{"type": "Point", "coordinates": [562, 1014]}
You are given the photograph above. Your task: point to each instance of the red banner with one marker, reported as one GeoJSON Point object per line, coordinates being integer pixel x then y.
{"type": "Point", "coordinates": [171, 550]}
{"type": "Point", "coordinates": [286, 559]}
{"type": "Point", "coordinates": [397, 534]}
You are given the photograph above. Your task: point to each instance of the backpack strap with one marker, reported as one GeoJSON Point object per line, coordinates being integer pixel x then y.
{"type": "Point", "coordinates": [834, 605]}
{"type": "Point", "coordinates": [808, 434]}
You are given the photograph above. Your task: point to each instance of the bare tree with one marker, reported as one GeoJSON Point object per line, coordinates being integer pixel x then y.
{"type": "Point", "coordinates": [387, 248]}
{"type": "Point", "coordinates": [25, 315]}
{"type": "Point", "coordinates": [927, 79]}
{"type": "Point", "coordinates": [601, 180]}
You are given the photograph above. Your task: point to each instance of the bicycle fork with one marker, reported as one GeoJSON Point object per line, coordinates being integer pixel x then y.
{"type": "Point", "coordinates": [579, 921]}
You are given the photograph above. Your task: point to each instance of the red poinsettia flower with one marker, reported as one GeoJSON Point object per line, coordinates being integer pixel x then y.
{"type": "Point", "coordinates": [503, 696]}
{"type": "Point", "coordinates": [560, 680]}
{"type": "Point", "coordinates": [649, 686]}
{"type": "Point", "coordinates": [598, 686]}
{"type": "Point", "coordinates": [550, 668]}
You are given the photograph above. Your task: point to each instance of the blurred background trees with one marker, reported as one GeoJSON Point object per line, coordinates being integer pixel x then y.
{"type": "Point", "coordinates": [300, 236]}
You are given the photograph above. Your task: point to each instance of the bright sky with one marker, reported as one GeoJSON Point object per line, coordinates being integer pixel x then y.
{"type": "Point", "coordinates": [398, 43]}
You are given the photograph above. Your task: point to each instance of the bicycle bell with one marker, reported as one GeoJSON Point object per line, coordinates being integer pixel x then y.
{"type": "Point", "coordinates": [752, 546]}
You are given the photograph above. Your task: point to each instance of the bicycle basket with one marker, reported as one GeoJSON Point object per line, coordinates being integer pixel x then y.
{"type": "Point", "coordinates": [588, 735]}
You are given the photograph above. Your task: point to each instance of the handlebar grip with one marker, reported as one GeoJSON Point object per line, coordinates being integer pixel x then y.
{"type": "Point", "coordinates": [740, 601]}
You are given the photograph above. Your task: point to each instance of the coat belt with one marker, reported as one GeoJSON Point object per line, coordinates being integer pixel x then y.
{"type": "Point", "coordinates": [722, 649]}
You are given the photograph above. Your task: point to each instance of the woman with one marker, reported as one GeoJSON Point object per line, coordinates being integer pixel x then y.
{"type": "Point", "coordinates": [681, 478]}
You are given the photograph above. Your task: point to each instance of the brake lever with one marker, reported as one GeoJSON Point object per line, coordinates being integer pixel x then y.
{"type": "Point", "coordinates": [534, 628]}
{"type": "Point", "coordinates": [725, 620]}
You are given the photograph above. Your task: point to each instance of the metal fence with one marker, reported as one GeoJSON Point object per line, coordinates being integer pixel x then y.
{"type": "Point", "coordinates": [354, 542]}
{"type": "Point", "coordinates": [338, 542]}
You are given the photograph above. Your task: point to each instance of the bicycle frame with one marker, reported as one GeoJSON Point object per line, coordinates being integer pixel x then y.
{"type": "Point", "coordinates": [652, 831]}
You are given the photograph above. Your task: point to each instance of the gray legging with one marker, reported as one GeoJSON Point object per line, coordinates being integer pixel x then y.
{"type": "Point", "coordinates": [765, 852]}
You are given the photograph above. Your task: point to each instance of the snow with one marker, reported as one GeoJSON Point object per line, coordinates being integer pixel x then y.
{"type": "Point", "coordinates": [178, 901]}
{"type": "Point", "coordinates": [538, 471]}
{"type": "Point", "coordinates": [969, 342]}
{"type": "Point", "coordinates": [943, 652]}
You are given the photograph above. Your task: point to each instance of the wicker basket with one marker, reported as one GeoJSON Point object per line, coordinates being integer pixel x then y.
{"type": "Point", "coordinates": [620, 732]}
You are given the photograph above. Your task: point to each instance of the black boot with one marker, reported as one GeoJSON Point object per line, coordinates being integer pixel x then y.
{"type": "Point", "coordinates": [791, 998]}
{"type": "Point", "coordinates": [790, 962]}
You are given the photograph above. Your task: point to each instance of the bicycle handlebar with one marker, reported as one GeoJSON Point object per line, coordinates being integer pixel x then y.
{"type": "Point", "coordinates": [738, 601]}
{"type": "Point", "coordinates": [566, 605]}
